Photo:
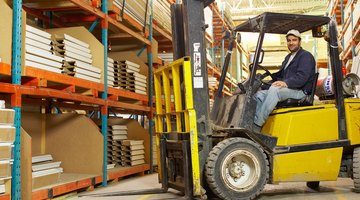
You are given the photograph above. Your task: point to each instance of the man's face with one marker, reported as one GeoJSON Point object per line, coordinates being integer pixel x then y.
{"type": "Point", "coordinates": [293, 43]}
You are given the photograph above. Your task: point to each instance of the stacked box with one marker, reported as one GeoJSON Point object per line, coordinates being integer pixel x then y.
{"type": "Point", "coordinates": [130, 77]}
{"type": "Point", "coordinates": [113, 75]}
{"type": "Point", "coordinates": [39, 51]}
{"type": "Point", "coordinates": [7, 138]}
{"type": "Point", "coordinates": [116, 133]}
{"type": "Point", "coordinates": [133, 152]}
{"type": "Point", "coordinates": [136, 9]}
{"type": "Point", "coordinates": [45, 168]}
{"type": "Point", "coordinates": [77, 58]}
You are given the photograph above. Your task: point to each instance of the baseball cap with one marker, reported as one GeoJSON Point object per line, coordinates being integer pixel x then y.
{"type": "Point", "coordinates": [294, 33]}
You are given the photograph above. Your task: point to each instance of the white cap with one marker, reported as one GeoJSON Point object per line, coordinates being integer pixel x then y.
{"type": "Point", "coordinates": [294, 33]}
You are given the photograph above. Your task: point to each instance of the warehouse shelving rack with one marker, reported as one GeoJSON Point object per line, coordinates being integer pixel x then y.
{"type": "Point", "coordinates": [34, 82]}
{"type": "Point", "coordinates": [222, 23]}
{"type": "Point", "coordinates": [347, 22]}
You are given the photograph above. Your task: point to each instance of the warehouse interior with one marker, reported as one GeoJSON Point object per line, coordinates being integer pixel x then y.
{"type": "Point", "coordinates": [156, 99]}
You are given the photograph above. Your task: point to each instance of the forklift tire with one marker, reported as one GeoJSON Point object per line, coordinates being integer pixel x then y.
{"type": "Point", "coordinates": [313, 185]}
{"type": "Point", "coordinates": [356, 169]}
{"type": "Point", "coordinates": [237, 168]}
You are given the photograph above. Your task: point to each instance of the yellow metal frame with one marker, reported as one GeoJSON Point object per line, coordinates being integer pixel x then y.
{"type": "Point", "coordinates": [167, 83]}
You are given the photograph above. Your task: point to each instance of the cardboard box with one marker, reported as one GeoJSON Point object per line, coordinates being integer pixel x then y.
{"type": "Point", "coordinates": [6, 151]}
{"type": "Point", "coordinates": [5, 169]}
{"type": "Point", "coordinates": [5, 32]}
{"type": "Point", "coordinates": [7, 116]}
{"type": "Point", "coordinates": [7, 183]}
{"type": "Point", "coordinates": [7, 134]}
{"type": "Point", "coordinates": [70, 138]}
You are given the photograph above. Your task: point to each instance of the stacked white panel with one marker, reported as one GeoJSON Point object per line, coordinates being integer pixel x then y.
{"type": "Point", "coordinates": [38, 51]}
{"type": "Point", "coordinates": [7, 137]}
{"type": "Point", "coordinates": [44, 165]}
{"type": "Point", "coordinates": [130, 77]}
{"type": "Point", "coordinates": [113, 77]}
{"type": "Point", "coordinates": [116, 133]}
{"type": "Point", "coordinates": [133, 152]}
{"type": "Point", "coordinates": [78, 58]}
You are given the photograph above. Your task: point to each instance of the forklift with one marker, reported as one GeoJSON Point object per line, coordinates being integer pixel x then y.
{"type": "Point", "coordinates": [220, 155]}
{"type": "Point", "coordinates": [217, 154]}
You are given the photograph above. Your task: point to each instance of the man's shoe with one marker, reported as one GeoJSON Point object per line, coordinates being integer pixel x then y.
{"type": "Point", "coordinates": [257, 128]}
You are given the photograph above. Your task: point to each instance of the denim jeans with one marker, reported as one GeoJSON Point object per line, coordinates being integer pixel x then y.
{"type": "Point", "coordinates": [266, 101]}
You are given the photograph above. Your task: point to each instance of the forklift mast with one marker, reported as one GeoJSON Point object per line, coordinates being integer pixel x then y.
{"type": "Point", "coordinates": [188, 28]}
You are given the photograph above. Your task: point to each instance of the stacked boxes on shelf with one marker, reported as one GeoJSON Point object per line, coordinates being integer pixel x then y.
{"type": "Point", "coordinates": [136, 9]}
{"type": "Point", "coordinates": [116, 133]}
{"type": "Point", "coordinates": [39, 51]}
{"type": "Point", "coordinates": [78, 58]}
{"type": "Point", "coordinates": [133, 152]}
{"type": "Point", "coordinates": [7, 137]}
{"type": "Point", "coordinates": [130, 78]}
{"type": "Point", "coordinates": [43, 167]}
{"type": "Point", "coordinates": [113, 77]}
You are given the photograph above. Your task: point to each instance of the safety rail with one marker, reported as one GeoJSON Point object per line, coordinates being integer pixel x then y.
{"type": "Point", "coordinates": [169, 80]}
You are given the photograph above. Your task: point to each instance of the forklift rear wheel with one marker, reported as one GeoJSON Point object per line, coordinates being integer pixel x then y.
{"type": "Point", "coordinates": [356, 169]}
{"type": "Point", "coordinates": [313, 185]}
{"type": "Point", "coordinates": [237, 168]}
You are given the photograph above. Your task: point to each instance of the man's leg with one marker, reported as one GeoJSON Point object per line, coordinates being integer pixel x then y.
{"type": "Point", "coordinates": [260, 97]}
{"type": "Point", "coordinates": [274, 95]}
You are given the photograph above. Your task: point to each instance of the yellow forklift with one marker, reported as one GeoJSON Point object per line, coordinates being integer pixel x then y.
{"type": "Point", "coordinates": [218, 154]}
{"type": "Point", "coordinates": [300, 142]}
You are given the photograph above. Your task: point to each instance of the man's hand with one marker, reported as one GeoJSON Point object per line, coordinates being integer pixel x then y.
{"type": "Point", "coordinates": [280, 84]}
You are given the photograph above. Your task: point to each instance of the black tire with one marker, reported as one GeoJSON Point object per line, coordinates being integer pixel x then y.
{"type": "Point", "coordinates": [249, 169]}
{"type": "Point", "coordinates": [313, 185]}
{"type": "Point", "coordinates": [356, 169]}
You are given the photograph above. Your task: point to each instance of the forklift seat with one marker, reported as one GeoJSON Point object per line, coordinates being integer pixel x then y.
{"type": "Point", "coordinates": [305, 101]}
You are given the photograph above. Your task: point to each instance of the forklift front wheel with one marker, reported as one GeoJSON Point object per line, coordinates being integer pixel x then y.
{"type": "Point", "coordinates": [237, 168]}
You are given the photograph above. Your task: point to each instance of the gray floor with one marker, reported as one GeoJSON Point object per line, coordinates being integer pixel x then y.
{"type": "Point", "coordinates": [332, 190]}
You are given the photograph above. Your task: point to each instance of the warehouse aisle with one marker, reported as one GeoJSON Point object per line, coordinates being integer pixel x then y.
{"type": "Point", "coordinates": [333, 190]}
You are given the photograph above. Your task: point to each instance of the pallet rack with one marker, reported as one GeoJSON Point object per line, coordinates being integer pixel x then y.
{"type": "Point", "coordinates": [348, 23]}
{"type": "Point", "coordinates": [34, 82]}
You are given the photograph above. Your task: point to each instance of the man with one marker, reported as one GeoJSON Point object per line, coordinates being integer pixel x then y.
{"type": "Point", "coordinates": [292, 81]}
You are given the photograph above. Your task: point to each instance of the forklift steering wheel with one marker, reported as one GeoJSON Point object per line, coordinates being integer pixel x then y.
{"type": "Point", "coordinates": [267, 72]}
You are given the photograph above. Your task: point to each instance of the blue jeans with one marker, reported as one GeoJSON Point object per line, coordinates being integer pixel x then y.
{"type": "Point", "coordinates": [266, 101]}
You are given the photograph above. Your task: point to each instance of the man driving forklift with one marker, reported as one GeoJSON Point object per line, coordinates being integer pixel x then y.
{"type": "Point", "coordinates": [293, 80]}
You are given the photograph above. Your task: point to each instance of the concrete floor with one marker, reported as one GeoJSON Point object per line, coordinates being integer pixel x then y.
{"type": "Point", "coordinates": [332, 190]}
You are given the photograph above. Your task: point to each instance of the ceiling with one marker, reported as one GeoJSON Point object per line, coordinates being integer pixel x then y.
{"type": "Point", "coordinates": [241, 10]}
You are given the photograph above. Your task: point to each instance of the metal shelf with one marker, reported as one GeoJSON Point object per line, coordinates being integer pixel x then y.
{"type": "Point", "coordinates": [44, 84]}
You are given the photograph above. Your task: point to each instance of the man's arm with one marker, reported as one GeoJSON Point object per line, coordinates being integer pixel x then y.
{"type": "Point", "coordinates": [304, 71]}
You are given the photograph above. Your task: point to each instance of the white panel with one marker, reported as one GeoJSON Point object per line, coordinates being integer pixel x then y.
{"type": "Point", "coordinates": [44, 61]}
{"type": "Point", "coordinates": [43, 53]}
{"type": "Point", "coordinates": [42, 66]}
{"type": "Point", "coordinates": [77, 57]}
{"type": "Point", "coordinates": [77, 51]}
{"type": "Point", "coordinates": [37, 38]}
{"type": "Point", "coordinates": [38, 32]}
{"type": "Point", "coordinates": [81, 48]}
{"type": "Point", "coordinates": [84, 65]}
{"type": "Point", "coordinates": [72, 39]}
{"type": "Point", "coordinates": [40, 45]}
